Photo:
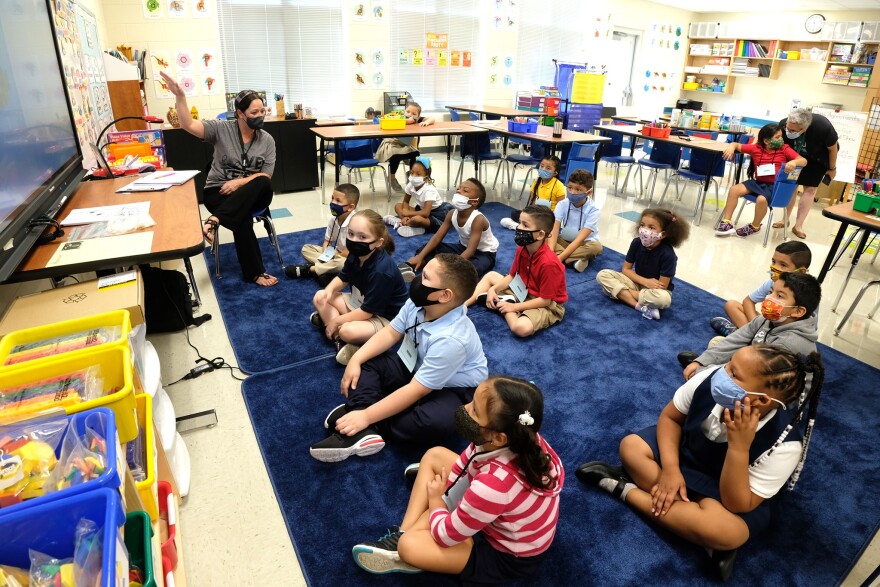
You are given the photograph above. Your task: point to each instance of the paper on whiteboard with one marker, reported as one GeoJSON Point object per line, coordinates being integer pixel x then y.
{"type": "Point", "coordinates": [849, 126]}
{"type": "Point", "coordinates": [96, 249]}
{"type": "Point", "coordinates": [105, 213]}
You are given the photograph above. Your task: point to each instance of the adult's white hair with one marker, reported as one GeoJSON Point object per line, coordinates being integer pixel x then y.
{"type": "Point", "coordinates": [801, 117]}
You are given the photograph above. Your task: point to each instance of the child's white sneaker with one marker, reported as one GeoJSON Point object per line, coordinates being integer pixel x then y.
{"type": "Point", "coordinates": [648, 312]}
{"type": "Point", "coordinates": [581, 264]}
{"type": "Point", "coordinates": [410, 230]}
{"type": "Point", "coordinates": [508, 223]}
{"type": "Point", "coordinates": [391, 220]}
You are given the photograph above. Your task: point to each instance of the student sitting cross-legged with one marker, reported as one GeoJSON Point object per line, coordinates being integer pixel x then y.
{"type": "Point", "coordinates": [411, 395]}
{"type": "Point", "coordinates": [532, 294]}
{"type": "Point", "coordinates": [575, 237]}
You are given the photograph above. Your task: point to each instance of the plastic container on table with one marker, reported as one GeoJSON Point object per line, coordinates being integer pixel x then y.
{"type": "Point", "coordinates": [524, 127]}
{"type": "Point", "coordinates": [392, 123]}
{"type": "Point", "coordinates": [103, 421]}
{"type": "Point", "coordinates": [50, 528]}
{"type": "Point", "coordinates": [116, 319]}
{"type": "Point", "coordinates": [168, 511]}
{"type": "Point", "coordinates": [138, 535]}
{"type": "Point", "coordinates": [116, 372]}
{"type": "Point", "coordinates": [147, 488]}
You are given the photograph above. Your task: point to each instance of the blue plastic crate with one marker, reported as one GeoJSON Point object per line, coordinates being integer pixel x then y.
{"type": "Point", "coordinates": [50, 528]}
{"type": "Point", "coordinates": [102, 421]}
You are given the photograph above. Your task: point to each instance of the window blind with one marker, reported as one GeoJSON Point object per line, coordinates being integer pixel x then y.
{"type": "Point", "coordinates": [435, 87]}
{"type": "Point", "coordinates": [290, 47]}
{"type": "Point", "coordinates": [545, 34]}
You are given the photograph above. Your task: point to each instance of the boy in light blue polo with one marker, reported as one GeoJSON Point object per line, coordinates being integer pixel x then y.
{"type": "Point", "coordinates": [575, 237]}
{"type": "Point", "coordinates": [411, 395]}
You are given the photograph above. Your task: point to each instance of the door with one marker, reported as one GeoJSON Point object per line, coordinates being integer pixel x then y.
{"type": "Point", "coordinates": [620, 60]}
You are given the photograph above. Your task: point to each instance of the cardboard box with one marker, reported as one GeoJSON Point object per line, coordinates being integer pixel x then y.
{"type": "Point", "coordinates": [122, 291]}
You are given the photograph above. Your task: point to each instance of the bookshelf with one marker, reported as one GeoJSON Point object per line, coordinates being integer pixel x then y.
{"type": "Point", "coordinates": [850, 64]}
{"type": "Point", "coordinates": [707, 62]}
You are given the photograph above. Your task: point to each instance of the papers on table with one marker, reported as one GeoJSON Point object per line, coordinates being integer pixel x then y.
{"type": "Point", "coordinates": [158, 181]}
{"type": "Point", "coordinates": [96, 249]}
{"type": "Point", "coordinates": [105, 213]}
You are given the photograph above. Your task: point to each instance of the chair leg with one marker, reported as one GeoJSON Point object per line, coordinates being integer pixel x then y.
{"type": "Point", "coordinates": [629, 169]}
{"type": "Point", "coordinates": [855, 303]}
{"type": "Point", "coordinates": [372, 184]}
{"type": "Point", "coordinates": [215, 250]}
{"type": "Point", "coordinates": [665, 189]}
{"type": "Point", "coordinates": [197, 301]}
{"type": "Point", "coordinates": [616, 176]}
{"type": "Point", "coordinates": [742, 205]}
{"type": "Point", "coordinates": [874, 310]}
{"type": "Point", "coordinates": [843, 249]}
{"type": "Point", "coordinates": [387, 182]}
{"type": "Point", "coordinates": [769, 226]}
{"type": "Point", "coordinates": [273, 237]}
{"type": "Point", "coordinates": [494, 183]}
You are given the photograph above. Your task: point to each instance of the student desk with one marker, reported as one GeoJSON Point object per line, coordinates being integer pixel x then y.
{"type": "Point", "coordinates": [544, 135]}
{"type": "Point", "coordinates": [496, 111]}
{"type": "Point", "coordinates": [176, 235]}
{"type": "Point", "coordinates": [715, 148]}
{"type": "Point", "coordinates": [868, 224]}
{"type": "Point", "coordinates": [373, 131]}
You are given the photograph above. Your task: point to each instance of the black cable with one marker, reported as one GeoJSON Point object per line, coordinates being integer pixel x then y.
{"type": "Point", "coordinates": [209, 364]}
{"type": "Point", "coordinates": [44, 220]}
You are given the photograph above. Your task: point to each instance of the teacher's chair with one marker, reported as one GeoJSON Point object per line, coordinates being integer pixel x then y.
{"type": "Point", "coordinates": [264, 216]}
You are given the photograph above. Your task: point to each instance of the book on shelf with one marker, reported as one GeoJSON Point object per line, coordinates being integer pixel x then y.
{"type": "Point", "coordinates": [755, 49]}
{"type": "Point", "coordinates": [860, 76]}
{"type": "Point", "coordinates": [840, 53]}
{"type": "Point", "coordinates": [837, 74]}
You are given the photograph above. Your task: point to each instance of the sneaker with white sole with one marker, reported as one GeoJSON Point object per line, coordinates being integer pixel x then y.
{"type": "Point", "coordinates": [747, 230]}
{"type": "Point", "coordinates": [509, 223]}
{"type": "Point", "coordinates": [484, 297]}
{"type": "Point", "coordinates": [381, 556]}
{"type": "Point", "coordinates": [648, 312]}
{"type": "Point", "coordinates": [338, 447]}
{"type": "Point", "coordinates": [395, 185]}
{"type": "Point", "coordinates": [581, 264]}
{"type": "Point", "coordinates": [335, 414]}
{"type": "Point", "coordinates": [391, 220]}
{"type": "Point", "coordinates": [410, 473]}
{"type": "Point", "coordinates": [346, 353]}
{"type": "Point", "coordinates": [410, 230]}
{"type": "Point", "coordinates": [317, 321]}
{"type": "Point", "coordinates": [725, 229]}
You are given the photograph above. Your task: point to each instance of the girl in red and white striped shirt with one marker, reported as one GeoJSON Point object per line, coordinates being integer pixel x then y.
{"type": "Point", "coordinates": [489, 514]}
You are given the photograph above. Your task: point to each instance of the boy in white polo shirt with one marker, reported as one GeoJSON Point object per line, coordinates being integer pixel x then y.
{"type": "Point", "coordinates": [575, 237]}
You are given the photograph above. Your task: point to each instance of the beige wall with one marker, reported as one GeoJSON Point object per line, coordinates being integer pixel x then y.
{"type": "Point", "coordinates": [96, 7]}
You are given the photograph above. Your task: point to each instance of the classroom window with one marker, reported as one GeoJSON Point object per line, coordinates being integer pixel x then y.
{"type": "Point", "coordinates": [548, 30]}
{"type": "Point", "coordinates": [290, 47]}
{"type": "Point", "coordinates": [433, 86]}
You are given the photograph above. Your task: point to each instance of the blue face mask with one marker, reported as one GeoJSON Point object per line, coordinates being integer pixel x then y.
{"type": "Point", "coordinates": [576, 198]}
{"type": "Point", "coordinates": [726, 392]}
{"type": "Point", "coordinates": [545, 174]}
{"type": "Point", "coordinates": [336, 209]}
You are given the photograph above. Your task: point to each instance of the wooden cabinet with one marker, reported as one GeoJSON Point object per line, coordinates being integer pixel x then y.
{"type": "Point", "coordinates": [126, 100]}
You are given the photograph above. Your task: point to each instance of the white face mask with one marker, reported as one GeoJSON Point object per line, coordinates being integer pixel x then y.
{"type": "Point", "coordinates": [460, 202]}
{"type": "Point", "coordinates": [792, 134]}
{"type": "Point", "coordinates": [416, 180]}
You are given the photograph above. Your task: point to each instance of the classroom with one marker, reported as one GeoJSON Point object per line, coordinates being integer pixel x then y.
{"type": "Point", "coordinates": [185, 241]}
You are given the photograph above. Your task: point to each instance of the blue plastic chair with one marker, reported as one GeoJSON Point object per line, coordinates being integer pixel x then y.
{"type": "Point", "coordinates": [784, 189]}
{"type": "Point", "coordinates": [665, 156]}
{"type": "Point", "coordinates": [532, 160]}
{"type": "Point", "coordinates": [484, 152]}
{"type": "Point", "coordinates": [581, 156]}
{"type": "Point", "coordinates": [612, 153]}
{"type": "Point", "coordinates": [221, 116]}
{"type": "Point", "coordinates": [359, 155]}
{"type": "Point", "coordinates": [696, 173]}
{"type": "Point", "coordinates": [739, 157]}
{"type": "Point", "coordinates": [264, 216]}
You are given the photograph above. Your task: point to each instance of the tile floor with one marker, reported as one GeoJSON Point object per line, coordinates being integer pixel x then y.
{"type": "Point", "coordinates": [220, 525]}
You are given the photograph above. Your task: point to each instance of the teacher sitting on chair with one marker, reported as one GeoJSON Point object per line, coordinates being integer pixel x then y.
{"type": "Point", "coordinates": [811, 136]}
{"type": "Point", "coordinates": [239, 182]}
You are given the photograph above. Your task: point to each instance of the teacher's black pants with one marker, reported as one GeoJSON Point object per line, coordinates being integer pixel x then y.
{"type": "Point", "coordinates": [235, 212]}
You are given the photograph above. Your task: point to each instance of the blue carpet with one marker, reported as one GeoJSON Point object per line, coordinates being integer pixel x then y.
{"type": "Point", "coordinates": [271, 318]}
{"type": "Point", "coordinates": [605, 372]}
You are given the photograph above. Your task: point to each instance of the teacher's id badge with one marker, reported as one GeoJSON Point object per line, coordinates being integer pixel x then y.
{"type": "Point", "coordinates": [519, 289]}
{"type": "Point", "coordinates": [408, 353]}
{"type": "Point", "coordinates": [766, 169]}
{"type": "Point", "coordinates": [327, 254]}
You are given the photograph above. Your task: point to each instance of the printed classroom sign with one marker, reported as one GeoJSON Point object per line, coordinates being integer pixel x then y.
{"type": "Point", "coordinates": [417, 56]}
{"type": "Point", "coordinates": [466, 59]}
{"type": "Point", "coordinates": [456, 59]}
{"type": "Point", "coordinates": [436, 41]}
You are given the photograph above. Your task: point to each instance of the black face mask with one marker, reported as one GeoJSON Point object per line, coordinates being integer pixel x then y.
{"type": "Point", "coordinates": [467, 427]}
{"type": "Point", "coordinates": [255, 123]}
{"type": "Point", "coordinates": [419, 292]}
{"type": "Point", "coordinates": [524, 237]}
{"type": "Point", "coordinates": [359, 248]}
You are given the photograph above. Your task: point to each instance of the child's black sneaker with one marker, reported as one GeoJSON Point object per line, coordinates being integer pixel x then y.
{"type": "Point", "coordinates": [381, 556]}
{"type": "Point", "coordinates": [612, 479]}
{"type": "Point", "coordinates": [324, 279]}
{"type": "Point", "coordinates": [722, 325]}
{"type": "Point", "coordinates": [297, 271]}
{"type": "Point", "coordinates": [723, 560]}
{"type": "Point", "coordinates": [334, 415]}
{"type": "Point", "coordinates": [338, 447]}
{"type": "Point", "coordinates": [317, 321]}
{"type": "Point", "coordinates": [410, 474]}
{"type": "Point", "coordinates": [685, 358]}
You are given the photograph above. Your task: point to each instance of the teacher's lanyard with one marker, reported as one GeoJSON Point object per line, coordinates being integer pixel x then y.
{"type": "Point", "coordinates": [333, 240]}
{"type": "Point", "coordinates": [245, 152]}
{"type": "Point", "coordinates": [580, 217]}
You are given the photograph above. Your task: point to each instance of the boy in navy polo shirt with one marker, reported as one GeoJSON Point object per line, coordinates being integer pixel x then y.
{"type": "Point", "coordinates": [532, 294]}
{"type": "Point", "coordinates": [645, 281]}
{"type": "Point", "coordinates": [412, 394]}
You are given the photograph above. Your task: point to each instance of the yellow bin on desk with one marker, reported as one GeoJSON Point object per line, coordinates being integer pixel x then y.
{"type": "Point", "coordinates": [116, 373]}
{"type": "Point", "coordinates": [148, 489]}
{"type": "Point", "coordinates": [392, 123]}
{"type": "Point", "coordinates": [117, 318]}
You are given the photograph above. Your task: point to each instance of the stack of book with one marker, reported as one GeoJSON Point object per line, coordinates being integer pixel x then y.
{"type": "Point", "coordinates": [840, 53]}
{"type": "Point", "coordinates": [837, 74]}
{"type": "Point", "coordinates": [754, 49]}
{"type": "Point", "coordinates": [860, 76]}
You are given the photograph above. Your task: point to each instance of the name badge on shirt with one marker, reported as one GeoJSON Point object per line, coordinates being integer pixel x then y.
{"type": "Point", "coordinates": [327, 254]}
{"type": "Point", "coordinates": [766, 169]}
{"type": "Point", "coordinates": [519, 289]}
{"type": "Point", "coordinates": [569, 233]}
{"type": "Point", "coordinates": [541, 202]}
{"type": "Point", "coordinates": [357, 298]}
{"type": "Point", "coordinates": [408, 353]}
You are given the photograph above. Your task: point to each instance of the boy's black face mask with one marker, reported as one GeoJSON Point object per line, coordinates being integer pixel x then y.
{"type": "Point", "coordinates": [419, 292]}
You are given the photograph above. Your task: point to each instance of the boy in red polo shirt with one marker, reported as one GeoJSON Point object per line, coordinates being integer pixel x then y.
{"type": "Point", "coordinates": [532, 295]}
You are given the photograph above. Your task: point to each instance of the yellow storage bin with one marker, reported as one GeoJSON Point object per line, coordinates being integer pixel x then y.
{"type": "Point", "coordinates": [148, 489]}
{"type": "Point", "coordinates": [690, 85]}
{"type": "Point", "coordinates": [22, 347]}
{"type": "Point", "coordinates": [116, 372]}
{"type": "Point", "coordinates": [794, 55]}
{"type": "Point", "coordinates": [392, 123]}
{"type": "Point", "coordinates": [587, 88]}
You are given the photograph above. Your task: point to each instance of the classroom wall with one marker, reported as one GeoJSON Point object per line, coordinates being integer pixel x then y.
{"type": "Point", "coordinates": [126, 24]}
{"type": "Point", "coordinates": [771, 99]}
{"type": "Point", "coordinates": [96, 7]}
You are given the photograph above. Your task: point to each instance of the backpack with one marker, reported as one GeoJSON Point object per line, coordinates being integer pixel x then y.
{"type": "Point", "coordinates": [167, 301]}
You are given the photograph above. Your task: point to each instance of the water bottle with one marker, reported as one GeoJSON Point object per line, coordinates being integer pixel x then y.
{"type": "Point", "coordinates": [557, 128]}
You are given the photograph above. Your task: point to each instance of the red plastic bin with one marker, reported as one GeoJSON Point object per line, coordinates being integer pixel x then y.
{"type": "Point", "coordinates": [168, 513]}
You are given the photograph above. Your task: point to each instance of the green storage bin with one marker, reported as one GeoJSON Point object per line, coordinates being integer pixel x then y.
{"type": "Point", "coordinates": [138, 535]}
{"type": "Point", "coordinates": [865, 202]}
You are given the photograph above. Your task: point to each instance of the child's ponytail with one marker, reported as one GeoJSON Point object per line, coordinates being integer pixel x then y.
{"type": "Point", "coordinates": [516, 408]}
